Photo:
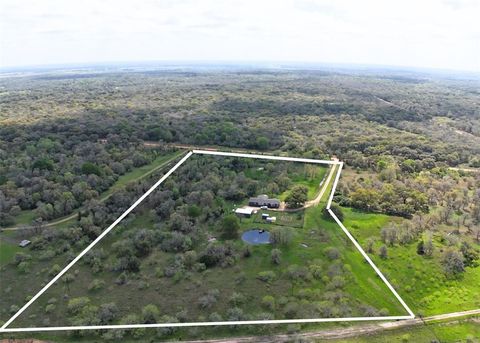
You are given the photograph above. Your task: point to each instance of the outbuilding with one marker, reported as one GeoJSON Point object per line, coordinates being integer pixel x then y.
{"type": "Point", "coordinates": [24, 243]}
{"type": "Point", "coordinates": [244, 212]}
{"type": "Point", "coordinates": [271, 219]}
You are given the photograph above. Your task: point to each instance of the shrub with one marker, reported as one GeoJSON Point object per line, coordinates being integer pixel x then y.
{"type": "Point", "coordinates": [209, 299]}
{"type": "Point", "coordinates": [297, 197]}
{"type": "Point", "coordinates": [107, 313]}
{"type": "Point", "coordinates": [383, 252]}
{"type": "Point", "coordinates": [337, 282]}
{"type": "Point", "coordinates": [281, 236]}
{"type": "Point", "coordinates": [237, 299]}
{"type": "Point", "coordinates": [215, 317]}
{"type": "Point", "coordinates": [76, 304]}
{"type": "Point", "coordinates": [332, 253]}
{"type": "Point", "coordinates": [190, 258]}
{"type": "Point", "coordinates": [215, 254]}
{"type": "Point", "coordinates": [90, 168]}
{"type": "Point", "coordinates": [370, 245]}
{"type": "Point", "coordinates": [276, 256]}
{"type": "Point", "coordinates": [96, 285]}
{"type": "Point", "coordinates": [297, 273]}
{"type": "Point", "coordinates": [150, 314]}
{"type": "Point", "coordinates": [121, 279]}
{"type": "Point", "coordinates": [268, 302]}
{"type": "Point", "coordinates": [23, 267]}
{"type": "Point", "coordinates": [54, 270]}
{"type": "Point", "coordinates": [167, 331]}
{"type": "Point", "coordinates": [337, 210]}
{"type": "Point", "coordinates": [46, 255]}
{"type": "Point", "coordinates": [453, 262]}
{"type": "Point", "coordinates": [235, 314]}
{"type": "Point", "coordinates": [230, 227]}
{"type": "Point", "coordinates": [50, 308]}
{"type": "Point", "coordinates": [291, 310]}
{"type": "Point", "coordinates": [176, 242]}
{"type": "Point", "coordinates": [133, 319]}
{"type": "Point", "coordinates": [316, 271]}
{"type": "Point", "coordinates": [266, 276]}
{"type": "Point", "coordinates": [21, 257]}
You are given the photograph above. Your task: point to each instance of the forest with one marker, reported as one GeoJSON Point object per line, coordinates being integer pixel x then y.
{"type": "Point", "coordinates": [81, 148]}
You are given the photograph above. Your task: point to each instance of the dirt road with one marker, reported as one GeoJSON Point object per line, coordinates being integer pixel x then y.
{"type": "Point", "coordinates": [102, 199]}
{"type": "Point", "coordinates": [468, 170]}
{"type": "Point", "coordinates": [336, 333]}
{"type": "Point", "coordinates": [315, 201]}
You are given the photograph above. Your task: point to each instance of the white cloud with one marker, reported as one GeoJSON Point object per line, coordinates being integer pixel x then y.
{"type": "Point", "coordinates": [428, 33]}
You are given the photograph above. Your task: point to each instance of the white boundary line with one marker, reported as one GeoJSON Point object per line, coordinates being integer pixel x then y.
{"type": "Point", "coordinates": [224, 323]}
{"type": "Point", "coordinates": [199, 324]}
{"type": "Point", "coordinates": [264, 157]}
{"type": "Point", "coordinates": [91, 245]}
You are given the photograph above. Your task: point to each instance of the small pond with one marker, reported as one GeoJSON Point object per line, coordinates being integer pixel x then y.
{"type": "Point", "coordinates": [256, 236]}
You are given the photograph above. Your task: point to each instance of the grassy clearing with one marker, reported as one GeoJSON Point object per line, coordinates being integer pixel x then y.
{"type": "Point", "coordinates": [25, 217]}
{"type": "Point", "coordinates": [419, 280]}
{"type": "Point", "coordinates": [140, 173]}
{"type": "Point", "coordinates": [309, 178]}
{"type": "Point", "coordinates": [7, 251]}
{"type": "Point", "coordinates": [307, 175]}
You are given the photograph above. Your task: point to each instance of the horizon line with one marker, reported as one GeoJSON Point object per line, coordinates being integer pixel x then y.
{"type": "Point", "coordinates": [252, 64]}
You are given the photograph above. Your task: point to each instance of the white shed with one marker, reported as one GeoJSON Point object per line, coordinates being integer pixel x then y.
{"type": "Point", "coordinates": [244, 211]}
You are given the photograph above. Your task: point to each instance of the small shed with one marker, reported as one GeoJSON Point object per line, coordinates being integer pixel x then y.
{"type": "Point", "coordinates": [265, 215]}
{"type": "Point", "coordinates": [244, 212]}
{"type": "Point", "coordinates": [24, 243]}
{"type": "Point", "coordinates": [271, 219]}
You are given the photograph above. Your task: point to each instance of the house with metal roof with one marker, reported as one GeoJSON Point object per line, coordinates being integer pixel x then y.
{"type": "Point", "coordinates": [264, 200]}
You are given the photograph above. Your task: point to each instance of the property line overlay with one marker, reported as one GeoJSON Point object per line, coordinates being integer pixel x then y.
{"type": "Point", "coordinates": [98, 239]}
{"type": "Point", "coordinates": [333, 164]}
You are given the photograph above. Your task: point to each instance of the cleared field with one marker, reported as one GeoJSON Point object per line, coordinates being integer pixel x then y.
{"type": "Point", "coordinates": [7, 251]}
{"type": "Point", "coordinates": [420, 281]}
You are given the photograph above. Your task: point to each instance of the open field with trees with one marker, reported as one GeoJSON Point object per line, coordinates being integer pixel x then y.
{"type": "Point", "coordinates": [198, 268]}
{"type": "Point", "coordinates": [68, 141]}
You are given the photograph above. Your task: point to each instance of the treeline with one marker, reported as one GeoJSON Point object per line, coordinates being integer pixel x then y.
{"type": "Point", "coordinates": [54, 169]}
{"type": "Point", "coordinates": [47, 148]}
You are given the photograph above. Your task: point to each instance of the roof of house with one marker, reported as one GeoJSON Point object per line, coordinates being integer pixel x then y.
{"type": "Point", "coordinates": [264, 199]}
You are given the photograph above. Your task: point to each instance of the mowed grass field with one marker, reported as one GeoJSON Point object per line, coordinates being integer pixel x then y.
{"type": "Point", "coordinates": [419, 280]}
{"type": "Point", "coordinates": [8, 250]}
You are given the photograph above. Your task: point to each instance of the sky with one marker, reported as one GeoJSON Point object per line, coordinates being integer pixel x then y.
{"type": "Point", "coordinates": [441, 34]}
